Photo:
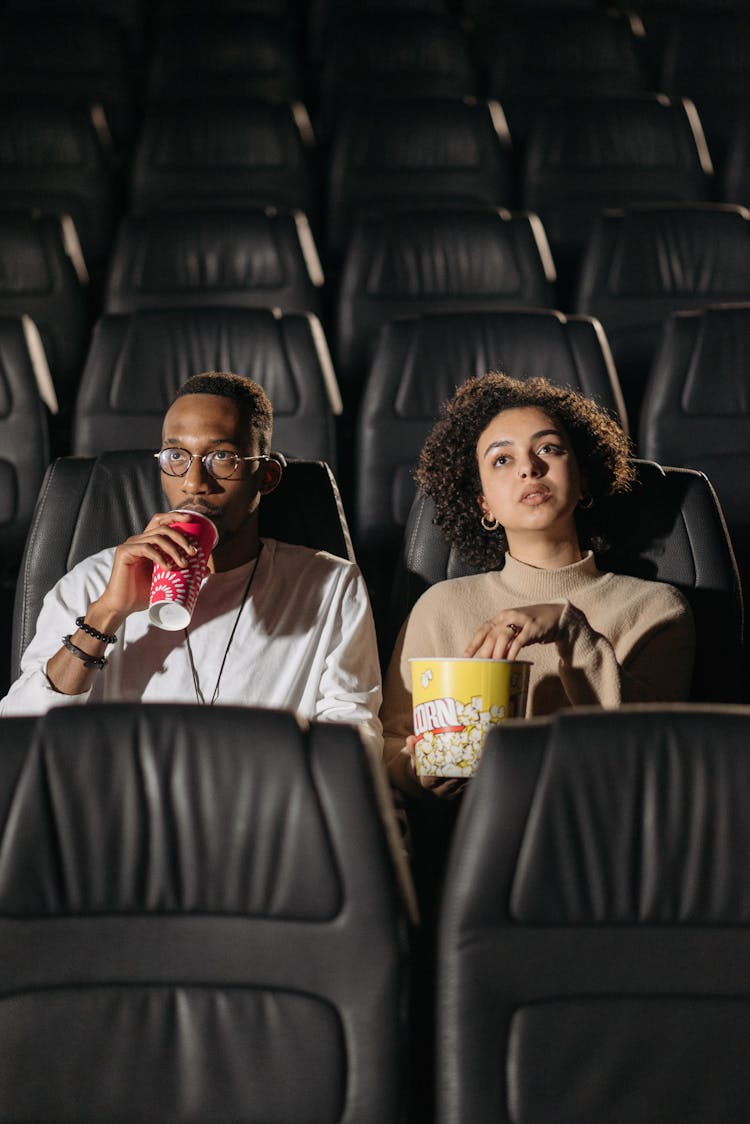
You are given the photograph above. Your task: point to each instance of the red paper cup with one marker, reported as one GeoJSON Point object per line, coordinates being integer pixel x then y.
{"type": "Point", "coordinates": [174, 592]}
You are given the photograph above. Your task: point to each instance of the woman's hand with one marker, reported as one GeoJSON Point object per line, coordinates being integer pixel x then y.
{"type": "Point", "coordinates": [445, 787]}
{"type": "Point", "coordinates": [502, 637]}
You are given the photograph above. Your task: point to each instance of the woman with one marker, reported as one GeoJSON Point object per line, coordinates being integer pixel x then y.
{"type": "Point", "coordinates": [517, 470]}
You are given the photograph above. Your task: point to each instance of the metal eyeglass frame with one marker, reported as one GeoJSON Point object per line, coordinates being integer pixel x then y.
{"type": "Point", "coordinates": [204, 459]}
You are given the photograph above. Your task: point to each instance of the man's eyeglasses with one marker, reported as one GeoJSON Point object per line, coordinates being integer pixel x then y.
{"type": "Point", "coordinates": [219, 463]}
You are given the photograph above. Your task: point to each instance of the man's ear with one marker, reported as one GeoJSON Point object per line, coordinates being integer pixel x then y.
{"type": "Point", "coordinates": [272, 470]}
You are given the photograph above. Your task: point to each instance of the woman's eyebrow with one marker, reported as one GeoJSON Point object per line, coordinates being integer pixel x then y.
{"type": "Point", "coordinates": [504, 442]}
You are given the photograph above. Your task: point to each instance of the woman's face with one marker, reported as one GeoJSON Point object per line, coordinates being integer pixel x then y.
{"type": "Point", "coordinates": [531, 481]}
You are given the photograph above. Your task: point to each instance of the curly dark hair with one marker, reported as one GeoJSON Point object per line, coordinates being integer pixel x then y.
{"type": "Point", "coordinates": [250, 397]}
{"type": "Point", "coordinates": [448, 470]}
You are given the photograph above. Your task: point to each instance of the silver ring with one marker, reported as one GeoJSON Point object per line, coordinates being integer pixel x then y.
{"type": "Point", "coordinates": [514, 628]}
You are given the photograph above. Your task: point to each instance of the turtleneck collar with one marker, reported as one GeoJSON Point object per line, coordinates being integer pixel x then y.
{"type": "Point", "coordinates": [548, 585]}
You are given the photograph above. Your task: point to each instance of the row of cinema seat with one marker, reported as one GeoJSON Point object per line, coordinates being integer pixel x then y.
{"type": "Point", "coordinates": [248, 954]}
{"type": "Point", "coordinates": [641, 263]}
{"type": "Point", "coordinates": [136, 362]}
{"type": "Point", "coordinates": [162, 217]}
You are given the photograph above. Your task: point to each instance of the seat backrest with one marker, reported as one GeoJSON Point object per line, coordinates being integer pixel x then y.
{"type": "Point", "coordinates": [226, 941]}
{"type": "Point", "coordinates": [24, 442]}
{"type": "Point", "coordinates": [706, 52]}
{"type": "Point", "coordinates": [391, 153]}
{"type": "Point", "coordinates": [736, 181]}
{"type": "Point", "coordinates": [53, 163]}
{"type": "Point", "coordinates": [407, 53]}
{"type": "Point", "coordinates": [87, 503]}
{"type": "Point", "coordinates": [136, 364]}
{"type": "Point", "coordinates": [696, 410]}
{"type": "Point", "coordinates": [418, 364]}
{"type": "Point", "coordinates": [585, 154]}
{"type": "Point", "coordinates": [246, 259]}
{"type": "Point", "coordinates": [595, 909]}
{"type": "Point", "coordinates": [38, 279]}
{"type": "Point", "coordinates": [669, 528]}
{"type": "Point", "coordinates": [220, 151]}
{"type": "Point", "coordinates": [74, 56]}
{"type": "Point", "coordinates": [214, 52]}
{"type": "Point", "coordinates": [570, 50]}
{"type": "Point", "coordinates": [642, 263]}
{"type": "Point", "coordinates": [410, 262]}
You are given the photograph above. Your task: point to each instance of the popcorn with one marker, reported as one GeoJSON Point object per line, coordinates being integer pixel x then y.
{"type": "Point", "coordinates": [452, 717]}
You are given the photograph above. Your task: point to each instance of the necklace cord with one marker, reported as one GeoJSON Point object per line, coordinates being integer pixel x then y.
{"type": "Point", "coordinates": [200, 697]}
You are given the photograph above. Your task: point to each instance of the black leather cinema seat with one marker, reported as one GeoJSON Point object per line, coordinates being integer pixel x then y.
{"type": "Point", "coordinates": [24, 455]}
{"type": "Point", "coordinates": [696, 410]}
{"type": "Point", "coordinates": [669, 528]}
{"type": "Point", "coordinates": [246, 259]}
{"type": "Point", "coordinates": [398, 153]}
{"type": "Point", "coordinates": [452, 260]}
{"type": "Point", "coordinates": [201, 918]}
{"type": "Point", "coordinates": [643, 263]}
{"type": "Point", "coordinates": [220, 152]}
{"type": "Point", "coordinates": [79, 56]}
{"type": "Point", "coordinates": [209, 52]}
{"type": "Point", "coordinates": [402, 53]}
{"type": "Point", "coordinates": [137, 363]}
{"type": "Point", "coordinates": [418, 364]}
{"type": "Point", "coordinates": [86, 504]}
{"type": "Point", "coordinates": [52, 162]}
{"type": "Point", "coordinates": [584, 154]}
{"type": "Point", "coordinates": [592, 951]}
{"type": "Point", "coordinates": [706, 56]}
{"type": "Point", "coordinates": [527, 56]}
{"type": "Point", "coordinates": [38, 279]}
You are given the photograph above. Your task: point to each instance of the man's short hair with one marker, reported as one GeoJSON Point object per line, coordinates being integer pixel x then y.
{"type": "Point", "coordinates": [251, 399]}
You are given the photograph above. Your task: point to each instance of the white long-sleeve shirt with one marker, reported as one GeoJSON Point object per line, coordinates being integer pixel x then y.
{"type": "Point", "coordinates": [305, 641]}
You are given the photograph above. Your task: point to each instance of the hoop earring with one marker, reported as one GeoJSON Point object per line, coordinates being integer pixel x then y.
{"type": "Point", "coordinates": [490, 524]}
{"type": "Point", "coordinates": [586, 501]}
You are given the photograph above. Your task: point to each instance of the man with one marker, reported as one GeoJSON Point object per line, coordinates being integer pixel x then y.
{"type": "Point", "coordinates": [274, 625]}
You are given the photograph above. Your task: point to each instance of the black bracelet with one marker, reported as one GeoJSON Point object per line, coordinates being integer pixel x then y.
{"type": "Point", "coordinates": [107, 637]}
{"type": "Point", "coordinates": [88, 661]}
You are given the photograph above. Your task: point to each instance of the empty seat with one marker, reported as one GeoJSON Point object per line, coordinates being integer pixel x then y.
{"type": "Point", "coordinates": [591, 963]}
{"type": "Point", "coordinates": [216, 152]}
{"type": "Point", "coordinates": [696, 410]}
{"type": "Point", "coordinates": [247, 259]}
{"type": "Point", "coordinates": [24, 444]}
{"type": "Point", "coordinates": [736, 172]}
{"type": "Point", "coordinates": [88, 503]}
{"type": "Point", "coordinates": [38, 278]}
{"type": "Point", "coordinates": [669, 528]}
{"type": "Point", "coordinates": [409, 54]}
{"type": "Point", "coordinates": [226, 53]}
{"type": "Point", "coordinates": [51, 162]}
{"type": "Point", "coordinates": [528, 54]}
{"type": "Point", "coordinates": [706, 57]}
{"type": "Point", "coordinates": [24, 455]}
{"type": "Point", "coordinates": [77, 57]}
{"type": "Point", "coordinates": [202, 916]}
{"type": "Point", "coordinates": [136, 364]}
{"type": "Point", "coordinates": [585, 154]}
{"type": "Point", "coordinates": [643, 263]}
{"type": "Point", "coordinates": [402, 153]}
{"type": "Point", "coordinates": [411, 262]}
{"type": "Point", "coordinates": [324, 17]}
{"type": "Point", "coordinates": [417, 365]}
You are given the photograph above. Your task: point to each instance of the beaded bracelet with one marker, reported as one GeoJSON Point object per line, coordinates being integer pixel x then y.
{"type": "Point", "coordinates": [107, 637]}
{"type": "Point", "coordinates": [88, 661]}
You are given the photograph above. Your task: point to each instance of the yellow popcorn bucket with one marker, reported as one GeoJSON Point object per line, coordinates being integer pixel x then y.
{"type": "Point", "coordinates": [455, 701]}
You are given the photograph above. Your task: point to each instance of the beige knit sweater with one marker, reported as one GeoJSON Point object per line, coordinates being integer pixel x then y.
{"type": "Point", "coordinates": [622, 640]}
